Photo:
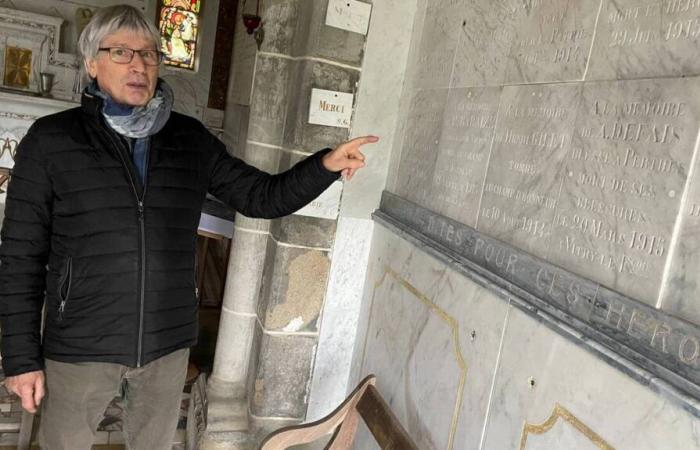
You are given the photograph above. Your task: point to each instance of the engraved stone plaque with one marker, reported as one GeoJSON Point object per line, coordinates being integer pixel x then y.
{"type": "Point", "coordinates": [420, 145]}
{"type": "Point", "coordinates": [553, 41]}
{"type": "Point", "coordinates": [523, 181]}
{"type": "Point", "coordinates": [467, 133]}
{"type": "Point", "coordinates": [438, 43]}
{"type": "Point", "coordinates": [642, 39]}
{"type": "Point", "coordinates": [330, 108]}
{"type": "Point", "coordinates": [625, 175]}
{"type": "Point", "coordinates": [488, 32]}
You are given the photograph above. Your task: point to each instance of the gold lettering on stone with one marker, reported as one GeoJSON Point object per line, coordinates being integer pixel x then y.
{"type": "Point", "coordinates": [331, 107]}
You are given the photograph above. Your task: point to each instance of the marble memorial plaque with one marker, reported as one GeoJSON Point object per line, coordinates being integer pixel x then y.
{"type": "Point", "coordinates": [438, 43]}
{"type": "Point", "coordinates": [625, 175]}
{"type": "Point", "coordinates": [330, 108]}
{"type": "Point", "coordinates": [467, 133]}
{"type": "Point", "coordinates": [420, 145]}
{"type": "Point", "coordinates": [552, 41]}
{"type": "Point", "coordinates": [487, 35]}
{"type": "Point", "coordinates": [523, 181]}
{"type": "Point", "coordinates": [642, 39]}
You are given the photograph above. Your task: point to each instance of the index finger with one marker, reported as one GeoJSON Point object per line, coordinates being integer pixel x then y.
{"type": "Point", "coordinates": [362, 140]}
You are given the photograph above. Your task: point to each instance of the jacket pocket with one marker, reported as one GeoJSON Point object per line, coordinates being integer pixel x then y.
{"type": "Point", "coordinates": [64, 285]}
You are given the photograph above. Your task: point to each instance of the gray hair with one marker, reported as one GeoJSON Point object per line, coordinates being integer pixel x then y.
{"type": "Point", "coordinates": [110, 20]}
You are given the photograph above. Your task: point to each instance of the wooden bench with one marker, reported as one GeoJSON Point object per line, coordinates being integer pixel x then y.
{"type": "Point", "coordinates": [365, 402]}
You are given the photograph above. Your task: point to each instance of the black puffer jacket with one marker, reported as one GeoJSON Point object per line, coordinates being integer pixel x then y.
{"type": "Point", "coordinates": [114, 260]}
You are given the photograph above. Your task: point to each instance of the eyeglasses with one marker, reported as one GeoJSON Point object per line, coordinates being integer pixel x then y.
{"type": "Point", "coordinates": [121, 55]}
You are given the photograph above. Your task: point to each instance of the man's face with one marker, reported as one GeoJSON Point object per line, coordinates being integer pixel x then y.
{"type": "Point", "coordinates": [129, 84]}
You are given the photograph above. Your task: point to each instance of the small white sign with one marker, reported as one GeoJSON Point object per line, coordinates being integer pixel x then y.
{"type": "Point", "coordinates": [330, 108]}
{"type": "Point", "coordinates": [326, 205]}
{"type": "Point", "coordinates": [349, 15]}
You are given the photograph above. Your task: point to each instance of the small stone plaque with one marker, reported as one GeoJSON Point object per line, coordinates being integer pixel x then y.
{"type": "Point", "coordinates": [552, 40]}
{"type": "Point", "coordinates": [642, 39]}
{"type": "Point", "coordinates": [523, 182]}
{"type": "Point", "coordinates": [330, 108]}
{"type": "Point", "coordinates": [625, 174]}
{"type": "Point", "coordinates": [467, 133]}
{"type": "Point", "coordinates": [421, 141]}
{"type": "Point", "coordinates": [439, 34]}
{"type": "Point", "coordinates": [488, 32]}
{"type": "Point", "coordinates": [326, 205]}
{"type": "Point", "coordinates": [349, 15]}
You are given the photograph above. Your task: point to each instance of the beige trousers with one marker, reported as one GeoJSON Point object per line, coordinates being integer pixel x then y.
{"type": "Point", "coordinates": [77, 395]}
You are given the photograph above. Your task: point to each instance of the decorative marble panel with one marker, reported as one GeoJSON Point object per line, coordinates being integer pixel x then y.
{"type": "Point", "coordinates": [432, 341]}
{"type": "Point", "coordinates": [551, 393]}
{"type": "Point", "coordinates": [524, 173]}
{"type": "Point", "coordinates": [625, 175]}
{"type": "Point", "coordinates": [642, 39]}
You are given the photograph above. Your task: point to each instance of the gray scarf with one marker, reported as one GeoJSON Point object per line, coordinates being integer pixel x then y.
{"type": "Point", "coordinates": [137, 121]}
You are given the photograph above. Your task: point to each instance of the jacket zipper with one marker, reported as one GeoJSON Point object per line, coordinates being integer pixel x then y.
{"type": "Point", "coordinates": [142, 243]}
{"type": "Point", "coordinates": [68, 278]}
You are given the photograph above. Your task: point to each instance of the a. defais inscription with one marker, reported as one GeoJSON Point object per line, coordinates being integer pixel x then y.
{"type": "Point", "coordinates": [625, 173]}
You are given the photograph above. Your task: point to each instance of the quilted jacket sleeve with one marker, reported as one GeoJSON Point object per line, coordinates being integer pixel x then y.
{"type": "Point", "coordinates": [24, 252]}
{"type": "Point", "coordinates": [258, 194]}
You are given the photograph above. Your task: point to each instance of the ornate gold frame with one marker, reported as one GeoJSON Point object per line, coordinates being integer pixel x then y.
{"type": "Point", "coordinates": [18, 67]}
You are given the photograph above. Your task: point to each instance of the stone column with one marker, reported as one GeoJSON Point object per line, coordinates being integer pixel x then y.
{"type": "Point", "coordinates": [295, 277]}
{"type": "Point", "coordinates": [278, 270]}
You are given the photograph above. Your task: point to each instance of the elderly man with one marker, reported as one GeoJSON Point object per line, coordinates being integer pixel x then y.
{"type": "Point", "coordinates": [100, 226]}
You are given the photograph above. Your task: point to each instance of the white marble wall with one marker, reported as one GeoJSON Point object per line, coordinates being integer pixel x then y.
{"type": "Point", "coordinates": [463, 368]}
{"type": "Point", "coordinates": [383, 68]}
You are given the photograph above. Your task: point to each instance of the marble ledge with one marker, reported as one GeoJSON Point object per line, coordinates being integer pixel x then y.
{"type": "Point", "coordinates": [540, 289]}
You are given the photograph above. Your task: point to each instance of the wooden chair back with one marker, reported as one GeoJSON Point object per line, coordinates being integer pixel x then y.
{"type": "Point", "coordinates": [365, 402]}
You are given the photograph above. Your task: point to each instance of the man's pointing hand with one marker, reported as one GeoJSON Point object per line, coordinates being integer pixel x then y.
{"type": "Point", "coordinates": [347, 157]}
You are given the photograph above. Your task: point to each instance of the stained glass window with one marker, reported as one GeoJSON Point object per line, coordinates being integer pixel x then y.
{"type": "Point", "coordinates": [179, 26]}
